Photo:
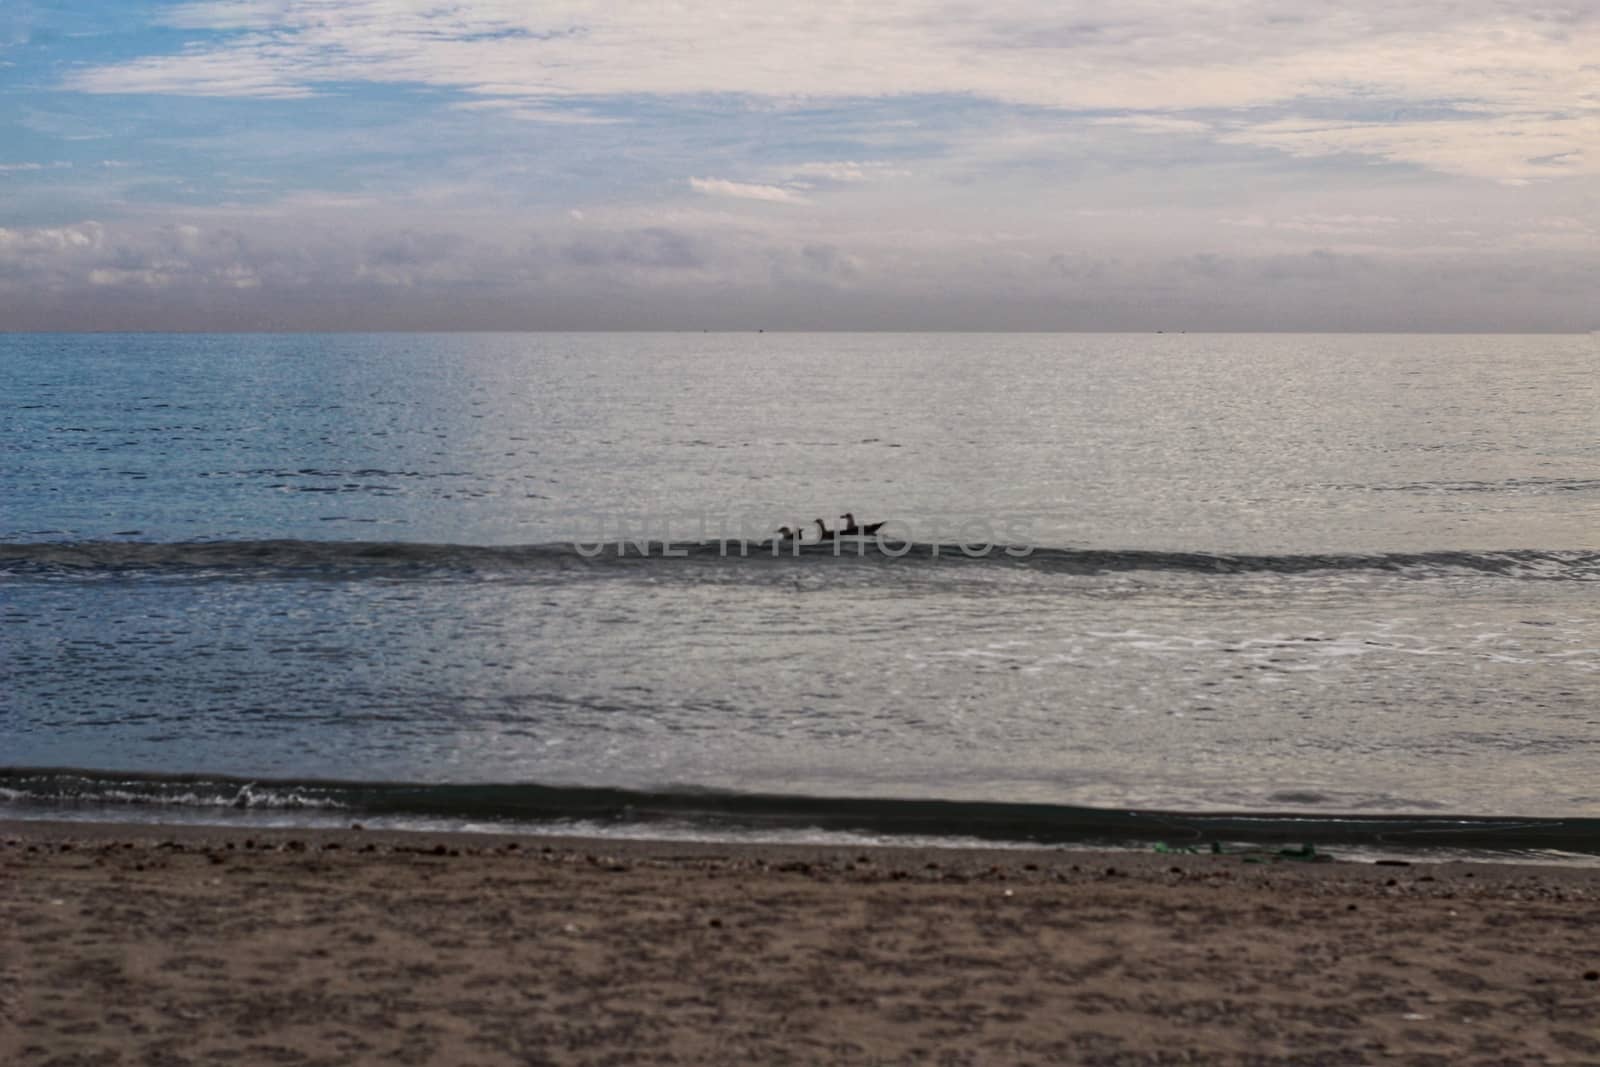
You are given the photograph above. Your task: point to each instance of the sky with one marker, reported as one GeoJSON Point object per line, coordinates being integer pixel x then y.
{"type": "Point", "coordinates": [744, 164]}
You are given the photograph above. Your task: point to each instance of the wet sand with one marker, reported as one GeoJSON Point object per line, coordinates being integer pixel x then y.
{"type": "Point", "coordinates": [124, 944]}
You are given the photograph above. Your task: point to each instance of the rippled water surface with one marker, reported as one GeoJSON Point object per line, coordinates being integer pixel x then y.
{"type": "Point", "coordinates": [1261, 573]}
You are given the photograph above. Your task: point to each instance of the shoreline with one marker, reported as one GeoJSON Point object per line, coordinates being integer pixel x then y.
{"type": "Point", "coordinates": [195, 943]}
{"type": "Point", "coordinates": [532, 807]}
{"type": "Point", "coordinates": [1343, 860]}
{"type": "Point", "coordinates": [1329, 869]}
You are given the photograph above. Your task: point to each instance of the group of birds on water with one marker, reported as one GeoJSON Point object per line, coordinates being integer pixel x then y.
{"type": "Point", "coordinates": [850, 529]}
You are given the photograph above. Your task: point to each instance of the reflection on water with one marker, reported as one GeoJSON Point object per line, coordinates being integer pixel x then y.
{"type": "Point", "coordinates": [1326, 573]}
{"type": "Point", "coordinates": [1271, 443]}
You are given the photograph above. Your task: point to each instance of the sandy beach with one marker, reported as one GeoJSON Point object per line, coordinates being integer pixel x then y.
{"type": "Point", "coordinates": [124, 944]}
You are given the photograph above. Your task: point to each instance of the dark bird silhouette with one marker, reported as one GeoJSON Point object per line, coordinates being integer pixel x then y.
{"type": "Point", "coordinates": [850, 526]}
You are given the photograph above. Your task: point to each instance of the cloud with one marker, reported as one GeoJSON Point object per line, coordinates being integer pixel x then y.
{"type": "Point", "coordinates": [1317, 223]}
{"type": "Point", "coordinates": [1043, 163]}
{"type": "Point", "coordinates": [535, 111]}
{"type": "Point", "coordinates": [746, 191]}
{"type": "Point", "coordinates": [653, 248]}
{"type": "Point", "coordinates": [382, 272]}
{"type": "Point", "coordinates": [260, 66]}
{"type": "Point", "coordinates": [1506, 148]}
{"type": "Point", "coordinates": [848, 171]}
{"type": "Point", "coordinates": [1502, 65]}
{"type": "Point", "coordinates": [1154, 124]}
{"type": "Point", "coordinates": [19, 244]}
{"type": "Point", "coordinates": [372, 253]}
{"type": "Point", "coordinates": [22, 168]}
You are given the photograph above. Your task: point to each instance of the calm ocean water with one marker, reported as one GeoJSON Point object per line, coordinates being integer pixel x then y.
{"type": "Point", "coordinates": [1350, 577]}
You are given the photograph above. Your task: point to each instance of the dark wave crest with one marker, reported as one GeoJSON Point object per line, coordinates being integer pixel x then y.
{"type": "Point", "coordinates": [521, 803]}
{"type": "Point", "coordinates": [356, 559]}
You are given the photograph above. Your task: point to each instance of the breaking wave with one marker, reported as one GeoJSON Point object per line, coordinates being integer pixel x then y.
{"type": "Point", "coordinates": [116, 795]}
{"type": "Point", "coordinates": [400, 559]}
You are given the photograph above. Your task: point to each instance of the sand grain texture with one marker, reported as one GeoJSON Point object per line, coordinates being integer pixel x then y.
{"type": "Point", "coordinates": [165, 947]}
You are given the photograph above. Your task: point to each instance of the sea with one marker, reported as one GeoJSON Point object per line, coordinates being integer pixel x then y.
{"type": "Point", "coordinates": [1149, 590]}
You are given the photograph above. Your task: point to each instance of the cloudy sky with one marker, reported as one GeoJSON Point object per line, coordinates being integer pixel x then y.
{"type": "Point", "coordinates": [921, 164]}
